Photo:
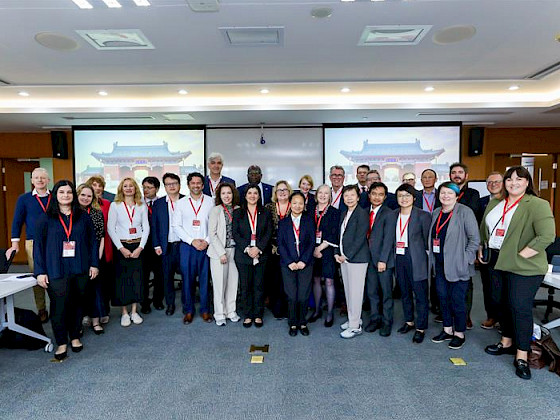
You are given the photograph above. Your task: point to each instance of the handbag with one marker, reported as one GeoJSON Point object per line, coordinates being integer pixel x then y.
{"type": "Point", "coordinates": [545, 352]}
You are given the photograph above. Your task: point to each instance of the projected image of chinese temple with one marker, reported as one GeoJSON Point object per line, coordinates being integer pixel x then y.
{"type": "Point", "coordinates": [392, 160]}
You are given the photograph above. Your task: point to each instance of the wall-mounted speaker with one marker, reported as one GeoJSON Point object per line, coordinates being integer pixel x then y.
{"type": "Point", "coordinates": [476, 141]}
{"type": "Point", "coordinates": [59, 144]}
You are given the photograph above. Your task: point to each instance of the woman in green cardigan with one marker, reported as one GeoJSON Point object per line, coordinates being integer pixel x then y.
{"type": "Point", "coordinates": [517, 229]}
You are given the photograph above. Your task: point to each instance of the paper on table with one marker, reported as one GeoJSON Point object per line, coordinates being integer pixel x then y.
{"type": "Point", "coordinates": [18, 277]}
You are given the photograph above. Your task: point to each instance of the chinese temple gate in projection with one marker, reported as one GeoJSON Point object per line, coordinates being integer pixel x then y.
{"type": "Point", "coordinates": [392, 160]}
{"type": "Point", "coordinates": [130, 161]}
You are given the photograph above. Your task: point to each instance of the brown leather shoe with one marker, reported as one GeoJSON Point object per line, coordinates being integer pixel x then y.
{"type": "Point", "coordinates": [43, 315]}
{"type": "Point", "coordinates": [206, 317]}
{"type": "Point", "coordinates": [488, 324]}
{"type": "Point", "coordinates": [187, 319]}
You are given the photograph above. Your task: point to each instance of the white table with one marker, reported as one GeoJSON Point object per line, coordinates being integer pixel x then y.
{"type": "Point", "coordinates": [8, 288]}
{"type": "Point", "coordinates": [552, 280]}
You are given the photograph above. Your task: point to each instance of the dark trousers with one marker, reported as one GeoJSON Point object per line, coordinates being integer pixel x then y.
{"type": "Point", "coordinates": [170, 264]}
{"type": "Point", "coordinates": [275, 287]}
{"type": "Point", "coordinates": [434, 299]}
{"type": "Point", "coordinates": [297, 285]}
{"type": "Point", "coordinates": [469, 296]}
{"type": "Point", "coordinates": [151, 264]}
{"type": "Point", "coordinates": [379, 288]}
{"type": "Point", "coordinates": [452, 299]}
{"type": "Point", "coordinates": [496, 285]}
{"type": "Point", "coordinates": [410, 288]}
{"type": "Point", "coordinates": [251, 283]}
{"type": "Point", "coordinates": [517, 295]}
{"type": "Point", "coordinates": [67, 295]}
{"type": "Point", "coordinates": [194, 263]}
{"type": "Point", "coordinates": [107, 279]}
{"type": "Point", "coordinates": [490, 305]}
{"type": "Point", "coordinates": [94, 302]}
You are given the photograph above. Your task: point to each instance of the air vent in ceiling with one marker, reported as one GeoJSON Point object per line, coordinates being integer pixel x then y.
{"type": "Point", "coordinates": [204, 5]}
{"type": "Point", "coordinates": [547, 71]}
{"type": "Point", "coordinates": [109, 117]}
{"type": "Point", "coordinates": [393, 35]}
{"type": "Point", "coordinates": [254, 36]}
{"type": "Point", "coordinates": [116, 39]}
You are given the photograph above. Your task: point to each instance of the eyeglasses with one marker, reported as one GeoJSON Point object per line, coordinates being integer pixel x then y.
{"type": "Point", "coordinates": [404, 196]}
{"type": "Point", "coordinates": [408, 179]}
{"type": "Point", "coordinates": [282, 190]}
{"type": "Point", "coordinates": [171, 184]}
{"type": "Point", "coordinates": [494, 182]}
{"type": "Point", "coordinates": [337, 176]}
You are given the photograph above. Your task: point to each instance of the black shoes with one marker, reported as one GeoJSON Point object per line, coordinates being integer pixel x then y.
{"type": "Point", "coordinates": [441, 337]}
{"type": "Point", "coordinates": [329, 321]}
{"type": "Point", "coordinates": [438, 318]}
{"type": "Point", "coordinates": [405, 328]}
{"type": "Point", "coordinates": [456, 343]}
{"type": "Point", "coordinates": [418, 337]}
{"type": "Point", "coordinates": [315, 316]}
{"type": "Point", "coordinates": [61, 356]}
{"type": "Point", "coordinates": [98, 329]}
{"type": "Point", "coordinates": [77, 349]}
{"type": "Point", "coordinates": [499, 349]}
{"type": "Point", "coordinates": [170, 310]}
{"type": "Point", "coordinates": [248, 322]}
{"type": "Point", "coordinates": [304, 330]}
{"type": "Point", "coordinates": [522, 369]}
{"type": "Point", "coordinates": [158, 306]}
{"type": "Point", "coordinates": [385, 330]}
{"type": "Point", "coordinates": [373, 326]}
{"type": "Point", "coordinates": [293, 331]}
{"type": "Point", "coordinates": [258, 322]}
{"type": "Point", "coordinates": [146, 309]}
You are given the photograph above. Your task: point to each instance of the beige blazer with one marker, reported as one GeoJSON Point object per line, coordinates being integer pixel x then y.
{"type": "Point", "coordinates": [217, 232]}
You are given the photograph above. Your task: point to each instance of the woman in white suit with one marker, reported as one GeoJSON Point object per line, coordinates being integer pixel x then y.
{"type": "Point", "coordinates": [221, 251]}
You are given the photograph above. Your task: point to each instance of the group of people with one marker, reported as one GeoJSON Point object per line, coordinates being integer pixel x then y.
{"type": "Point", "coordinates": [261, 244]}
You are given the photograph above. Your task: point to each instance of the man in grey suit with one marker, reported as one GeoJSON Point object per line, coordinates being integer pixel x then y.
{"type": "Point", "coordinates": [380, 268]}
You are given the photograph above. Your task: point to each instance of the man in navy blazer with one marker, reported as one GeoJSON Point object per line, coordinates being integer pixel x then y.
{"type": "Point", "coordinates": [215, 164]}
{"type": "Point", "coordinates": [254, 176]}
{"type": "Point", "coordinates": [361, 176]}
{"type": "Point", "coordinates": [391, 200]}
{"type": "Point", "coordinates": [164, 240]}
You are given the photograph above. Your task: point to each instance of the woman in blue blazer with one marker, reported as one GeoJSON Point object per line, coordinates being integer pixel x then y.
{"type": "Point", "coordinates": [410, 242]}
{"type": "Point", "coordinates": [296, 243]}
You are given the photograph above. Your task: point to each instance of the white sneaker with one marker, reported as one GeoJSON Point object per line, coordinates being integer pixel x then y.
{"type": "Point", "coordinates": [86, 321]}
{"type": "Point", "coordinates": [135, 318]}
{"type": "Point", "coordinates": [351, 332]}
{"type": "Point", "coordinates": [234, 317]}
{"type": "Point", "coordinates": [346, 325]}
{"type": "Point", "coordinates": [125, 320]}
{"type": "Point", "coordinates": [220, 322]}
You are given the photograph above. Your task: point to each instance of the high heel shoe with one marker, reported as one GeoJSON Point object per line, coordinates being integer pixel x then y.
{"type": "Point", "coordinates": [77, 349]}
{"type": "Point", "coordinates": [61, 356]}
{"type": "Point", "coordinates": [329, 323]}
{"type": "Point", "coordinates": [315, 316]}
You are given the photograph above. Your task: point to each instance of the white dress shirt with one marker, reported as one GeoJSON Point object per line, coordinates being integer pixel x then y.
{"type": "Point", "coordinates": [336, 198]}
{"type": "Point", "coordinates": [184, 216]}
{"type": "Point", "coordinates": [402, 221]}
{"type": "Point", "coordinates": [296, 221]}
{"type": "Point", "coordinates": [494, 222]}
{"type": "Point", "coordinates": [118, 223]}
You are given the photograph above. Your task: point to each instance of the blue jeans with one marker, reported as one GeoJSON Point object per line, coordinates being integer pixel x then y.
{"type": "Point", "coordinates": [452, 300]}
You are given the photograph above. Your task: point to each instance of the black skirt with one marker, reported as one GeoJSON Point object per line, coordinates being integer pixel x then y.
{"type": "Point", "coordinates": [324, 267]}
{"type": "Point", "coordinates": [128, 277]}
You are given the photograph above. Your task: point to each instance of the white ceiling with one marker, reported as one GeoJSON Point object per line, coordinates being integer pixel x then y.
{"type": "Point", "coordinates": [513, 39]}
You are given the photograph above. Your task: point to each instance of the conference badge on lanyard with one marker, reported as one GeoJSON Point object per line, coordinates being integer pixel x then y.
{"type": "Point", "coordinates": [400, 250]}
{"type": "Point", "coordinates": [68, 246]}
{"type": "Point", "coordinates": [196, 222]}
{"type": "Point", "coordinates": [131, 230]}
{"type": "Point", "coordinates": [253, 220]}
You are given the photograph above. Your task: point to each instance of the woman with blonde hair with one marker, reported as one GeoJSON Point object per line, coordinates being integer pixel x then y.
{"type": "Point", "coordinates": [129, 229]}
{"type": "Point", "coordinates": [305, 185]}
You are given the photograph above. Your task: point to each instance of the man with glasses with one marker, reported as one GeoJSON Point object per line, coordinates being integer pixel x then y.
{"type": "Point", "coordinates": [215, 164]}
{"type": "Point", "coordinates": [336, 176]}
{"type": "Point", "coordinates": [410, 179]}
{"type": "Point", "coordinates": [361, 176]}
{"type": "Point", "coordinates": [254, 176]}
{"type": "Point", "coordinates": [494, 184]}
{"type": "Point", "coordinates": [164, 238]}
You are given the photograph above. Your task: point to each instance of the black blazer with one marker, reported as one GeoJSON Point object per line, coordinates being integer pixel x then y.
{"type": "Point", "coordinates": [266, 193]}
{"type": "Point", "coordinates": [391, 201]}
{"type": "Point", "coordinates": [242, 234]}
{"type": "Point", "coordinates": [354, 240]}
{"type": "Point", "coordinates": [418, 232]}
{"type": "Point", "coordinates": [469, 198]}
{"type": "Point", "coordinates": [287, 241]}
{"type": "Point", "coordinates": [482, 204]}
{"type": "Point", "coordinates": [159, 223]}
{"type": "Point", "coordinates": [206, 189]}
{"type": "Point", "coordinates": [419, 200]}
{"type": "Point", "coordinates": [380, 244]}
{"type": "Point", "coordinates": [330, 226]}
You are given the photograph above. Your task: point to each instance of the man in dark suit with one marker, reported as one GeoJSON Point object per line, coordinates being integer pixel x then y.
{"type": "Point", "coordinates": [361, 176]}
{"type": "Point", "coordinates": [215, 164]}
{"type": "Point", "coordinates": [494, 184]}
{"type": "Point", "coordinates": [459, 174]}
{"type": "Point", "coordinates": [427, 199]}
{"type": "Point", "coordinates": [379, 281]}
{"type": "Point", "coordinates": [254, 176]}
{"type": "Point", "coordinates": [151, 263]}
{"type": "Point", "coordinates": [164, 240]}
{"type": "Point", "coordinates": [337, 176]}
{"type": "Point", "coordinates": [391, 200]}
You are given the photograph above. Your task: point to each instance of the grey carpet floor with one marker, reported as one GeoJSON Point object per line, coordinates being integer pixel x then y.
{"type": "Point", "coordinates": [165, 370]}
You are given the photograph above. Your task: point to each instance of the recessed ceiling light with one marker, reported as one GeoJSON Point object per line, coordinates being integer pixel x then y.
{"type": "Point", "coordinates": [513, 87]}
{"type": "Point", "coordinates": [182, 92]}
{"type": "Point", "coordinates": [345, 90]}
{"type": "Point", "coordinates": [364, 118]}
{"type": "Point", "coordinates": [23, 93]}
{"type": "Point", "coordinates": [102, 93]}
{"type": "Point", "coordinates": [83, 4]}
{"type": "Point", "coordinates": [429, 88]}
{"type": "Point", "coordinates": [113, 4]}
{"type": "Point", "coordinates": [141, 2]}
{"type": "Point", "coordinates": [264, 91]}
{"type": "Point", "coordinates": [321, 12]}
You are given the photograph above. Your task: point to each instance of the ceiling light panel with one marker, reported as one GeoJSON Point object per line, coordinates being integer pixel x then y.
{"type": "Point", "coordinates": [141, 3]}
{"type": "Point", "coordinates": [83, 4]}
{"type": "Point", "coordinates": [253, 36]}
{"type": "Point", "coordinates": [113, 4]}
{"type": "Point", "coordinates": [393, 35]}
{"type": "Point", "coordinates": [117, 39]}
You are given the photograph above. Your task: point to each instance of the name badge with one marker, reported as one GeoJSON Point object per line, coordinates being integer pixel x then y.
{"type": "Point", "coordinates": [500, 232]}
{"type": "Point", "coordinates": [400, 248]}
{"type": "Point", "coordinates": [69, 249]}
{"type": "Point", "coordinates": [253, 239]}
{"type": "Point", "coordinates": [196, 224]}
{"type": "Point", "coordinates": [318, 237]}
{"type": "Point", "coordinates": [132, 231]}
{"type": "Point", "coordinates": [435, 246]}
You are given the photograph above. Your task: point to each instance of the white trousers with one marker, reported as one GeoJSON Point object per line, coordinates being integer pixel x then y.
{"type": "Point", "coordinates": [224, 282]}
{"type": "Point", "coordinates": [354, 279]}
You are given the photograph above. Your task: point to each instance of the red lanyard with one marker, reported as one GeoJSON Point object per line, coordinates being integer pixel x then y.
{"type": "Point", "coordinates": [430, 207]}
{"type": "Point", "coordinates": [280, 213]}
{"type": "Point", "coordinates": [88, 210]}
{"type": "Point", "coordinates": [67, 230]}
{"type": "Point", "coordinates": [128, 212]}
{"type": "Point", "coordinates": [438, 227]}
{"type": "Point", "coordinates": [41, 203]}
{"type": "Point", "coordinates": [172, 205]}
{"type": "Point", "coordinates": [198, 210]}
{"type": "Point", "coordinates": [228, 213]}
{"type": "Point", "coordinates": [460, 196]}
{"type": "Point", "coordinates": [507, 209]}
{"type": "Point", "coordinates": [401, 228]}
{"type": "Point", "coordinates": [337, 197]}
{"type": "Point", "coordinates": [253, 220]}
{"type": "Point", "coordinates": [211, 185]}
{"type": "Point", "coordinates": [296, 230]}
{"type": "Point", "coordinates": [318, 223]}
